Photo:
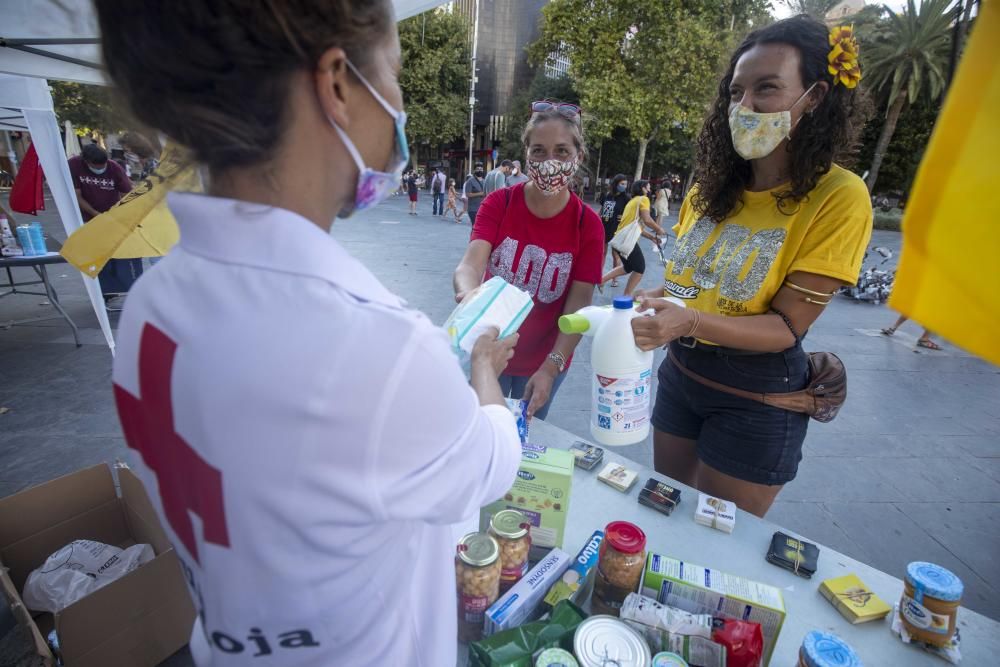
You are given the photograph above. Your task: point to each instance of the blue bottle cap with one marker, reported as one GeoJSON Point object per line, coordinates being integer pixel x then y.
{"type": "Point", "coordinates": [935, 581]}
{"type": "Point", "coordinates": [822, 649]}
{"type": "Point", "coordinates": [623, 303]}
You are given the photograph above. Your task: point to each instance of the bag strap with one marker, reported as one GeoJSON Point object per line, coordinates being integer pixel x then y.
{"type": "Point", "coordinates": [718, 386]}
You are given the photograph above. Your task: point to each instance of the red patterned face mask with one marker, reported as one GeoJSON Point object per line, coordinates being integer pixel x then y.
{"type": "Point", "coordinates": [551, 176]}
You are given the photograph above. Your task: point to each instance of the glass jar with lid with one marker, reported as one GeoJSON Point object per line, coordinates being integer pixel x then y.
{"type": "Point", "coordinates": [477, 572]}
{"type": "Point", "coordinates": [512, 532]}
{"type": "Point", "coordinates": [619, 566]}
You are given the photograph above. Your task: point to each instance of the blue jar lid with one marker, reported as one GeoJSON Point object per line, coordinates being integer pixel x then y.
{"type": "Point", "coordinates": [935, 581]}
{"type": "Point", "coordinates": [623, 303]}
{"type": "Point", "coordinates": [822, 649]}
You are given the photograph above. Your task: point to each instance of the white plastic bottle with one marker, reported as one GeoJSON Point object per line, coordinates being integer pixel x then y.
{"type": "Point", "coordinates": [622, 384]}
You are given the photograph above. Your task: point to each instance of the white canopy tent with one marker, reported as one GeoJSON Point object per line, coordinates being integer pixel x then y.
{"type": "Point", "coordinates": [58, 39]}
{"type": "Point", "coordinates": [30, 99]}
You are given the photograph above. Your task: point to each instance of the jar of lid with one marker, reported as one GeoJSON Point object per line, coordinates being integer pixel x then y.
{"type": "Point", "coordinates": [929, 606]}
{"type": "Point", "coordinates": [511, 530]}
{"type": "Point", "coordinates": [477, 569]}
{"type": "Point", "coordinates": [822, 649]}
{"type": "Point", "coordinates": [619, 566]}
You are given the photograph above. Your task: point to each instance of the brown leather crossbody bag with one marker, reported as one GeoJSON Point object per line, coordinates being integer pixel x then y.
{"type": "Point", "coordinates": [821, 399]}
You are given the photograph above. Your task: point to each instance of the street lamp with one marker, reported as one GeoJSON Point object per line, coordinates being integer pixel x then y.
{"type": "Point", "coordinates": [472, 82]}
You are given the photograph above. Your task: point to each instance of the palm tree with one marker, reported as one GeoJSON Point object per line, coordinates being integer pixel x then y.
{"type": "Point", "coordinates": [908, 58]}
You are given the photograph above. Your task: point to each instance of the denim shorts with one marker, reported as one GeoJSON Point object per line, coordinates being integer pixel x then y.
{"type": "Point", "coordinates": [736, 436]}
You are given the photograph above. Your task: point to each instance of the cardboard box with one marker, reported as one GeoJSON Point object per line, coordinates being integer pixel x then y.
{"type": "Point", "coordinates": [700, 590]}
{"type": "Point", "coordinates": [541, 491]}
{"type": "Point", "coordinates": [138, 620]}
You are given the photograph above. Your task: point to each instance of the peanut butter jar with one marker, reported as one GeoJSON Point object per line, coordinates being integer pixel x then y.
{"type": "Point", "coordinates": [929, 606]}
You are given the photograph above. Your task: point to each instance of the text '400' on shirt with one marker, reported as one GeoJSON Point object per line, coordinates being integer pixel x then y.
{"type": "Point", "coordinates": [737, 266]}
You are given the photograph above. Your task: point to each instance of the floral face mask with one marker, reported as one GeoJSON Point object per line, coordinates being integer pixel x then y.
{"type": "Point", "coordinates": [551, 176]}
{"type": "Point", "coordinates": [374, 186]}
{"type": "Point", "coordinates": [756, 135]}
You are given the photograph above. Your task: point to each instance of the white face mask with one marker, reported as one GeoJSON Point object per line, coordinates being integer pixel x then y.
{"type": "Point", "coordinates": [756, 135]}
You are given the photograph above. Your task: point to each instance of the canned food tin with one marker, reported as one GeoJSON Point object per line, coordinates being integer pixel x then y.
{"type": "Point", "coordinates": [605, 640]}
{"type": "Point", "coordinates": [556, 657]}
{"type": "Point", "coordinates": [667, 659]}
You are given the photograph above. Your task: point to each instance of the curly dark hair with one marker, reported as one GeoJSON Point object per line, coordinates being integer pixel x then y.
{"type": "Point", "coordinates": [829, 133]}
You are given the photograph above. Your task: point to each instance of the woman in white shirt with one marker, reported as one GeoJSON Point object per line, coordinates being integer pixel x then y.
{"type": "Point", "coordinates": [306, 439]}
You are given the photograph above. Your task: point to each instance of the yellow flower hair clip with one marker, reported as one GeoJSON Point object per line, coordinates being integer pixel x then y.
{"type": "Point", "coordinates": [843, 57]}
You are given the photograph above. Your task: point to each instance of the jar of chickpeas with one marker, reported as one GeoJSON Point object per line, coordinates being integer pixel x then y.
{"type": "Point", "coordinates": [511, 530]}
{"type": "Point", "coordinates": [619, 566]}
{"type": "Point", "coordinates": [477, 572]}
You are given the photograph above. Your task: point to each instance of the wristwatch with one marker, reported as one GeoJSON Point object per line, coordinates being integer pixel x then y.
{"type": "Point", "coordinates": [558, 360]}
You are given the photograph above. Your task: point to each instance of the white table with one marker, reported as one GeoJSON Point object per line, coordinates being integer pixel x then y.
{"type": "Point", "coordinates": [593, 505]}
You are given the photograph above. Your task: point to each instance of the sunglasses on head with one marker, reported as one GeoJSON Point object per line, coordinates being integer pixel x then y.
{"type": "Point", "coordinates": [568, 110]}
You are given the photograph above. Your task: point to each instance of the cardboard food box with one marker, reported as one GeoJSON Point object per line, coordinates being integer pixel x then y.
{"type": "Point", "coordinates": [138, 620]}
{"type": "Point", "coordinates": [701, 590]}
{"type": "Point", "coordinates": [541, 492]}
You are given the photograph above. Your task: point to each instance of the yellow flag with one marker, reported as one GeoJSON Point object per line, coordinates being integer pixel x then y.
{"type": "Point", "coordinates": [948, 279]}
{"type": "Point", "coordinates": [140, 225]}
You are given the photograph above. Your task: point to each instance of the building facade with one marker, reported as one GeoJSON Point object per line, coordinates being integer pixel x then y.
{"type": "Point", "coordinates": [506, 29]}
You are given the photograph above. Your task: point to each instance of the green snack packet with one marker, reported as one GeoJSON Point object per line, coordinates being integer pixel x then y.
{"type": "Point", "coordinates": [517, 646]}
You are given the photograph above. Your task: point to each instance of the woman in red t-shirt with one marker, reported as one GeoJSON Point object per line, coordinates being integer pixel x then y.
{"type": "Point", "coordinates": [543, 239]}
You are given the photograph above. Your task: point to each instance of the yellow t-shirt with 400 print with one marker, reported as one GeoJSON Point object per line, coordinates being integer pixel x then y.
{"type": "Point", "coordinates": [737, 266]}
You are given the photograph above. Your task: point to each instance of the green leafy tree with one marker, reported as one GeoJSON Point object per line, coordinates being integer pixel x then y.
{"type": "Point", "coordinates": [434, 77]}
{"type": "Point", "coordinates": [818, 9]}
{"type": "Point", "coordinates": [91, 109]}
{"type": "Point", "coordinates": [903, 156]}
{"type": "Point", "coordinates": [907, 59]}
{"type": "Point", "coordinates": [644, 66]}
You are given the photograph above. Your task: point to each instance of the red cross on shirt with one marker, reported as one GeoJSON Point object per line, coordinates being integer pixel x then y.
{"type": "Point", "coordinates": [187, 483]}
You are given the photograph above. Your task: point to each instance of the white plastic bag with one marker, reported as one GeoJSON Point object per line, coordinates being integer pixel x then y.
{"type": "Point", "coordinates": [79, 569]}
{"type": "Point", "coordinates": [495, 303]}
{"type": "Point", "coordinates": [625, 239]}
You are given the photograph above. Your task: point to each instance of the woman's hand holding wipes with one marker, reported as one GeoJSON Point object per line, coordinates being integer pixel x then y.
{"type": "Point", "coordinates": [668, 322]}
{"type": "Point", "coordinates": [489, 352]}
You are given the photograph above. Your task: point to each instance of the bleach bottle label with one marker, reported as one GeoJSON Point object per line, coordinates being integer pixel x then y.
{"type": "Point", "coordinates": [621, 404]}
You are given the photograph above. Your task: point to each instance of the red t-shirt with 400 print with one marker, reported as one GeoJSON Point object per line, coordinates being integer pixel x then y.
{"type": "Point", "coordinates": [543, 257]}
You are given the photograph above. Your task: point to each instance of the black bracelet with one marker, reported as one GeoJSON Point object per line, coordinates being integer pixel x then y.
{"type": "Point", "coordinates": [788, 323]}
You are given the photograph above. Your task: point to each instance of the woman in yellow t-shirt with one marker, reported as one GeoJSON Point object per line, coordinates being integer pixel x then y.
{"type": "Point", "coordinates": [769, 233]}
{"type": "Point", "coordinates": [633, 264]}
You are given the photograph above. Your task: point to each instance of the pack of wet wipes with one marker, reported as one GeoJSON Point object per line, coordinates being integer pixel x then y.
{"type": "Point", "coordinates": [495, 303]}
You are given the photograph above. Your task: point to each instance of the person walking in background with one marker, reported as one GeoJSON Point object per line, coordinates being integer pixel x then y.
{"type": "Point", "coordinates": [612, 205]}
{"type": "Point", "coordinates": [634, 264]}
{"type": "Point", "coordinates": [497, 178]}
{"type": "Point", "coordinates": [474, 190]}
{"type": "Point", "coordinates": [662, 205]}
{"type": "Point", "coordinates": [542, 239]}
{"type": "Point", "coordinates": [516, 175]}
{"type": "Point", "coordinates": [923, 341]}
{"type": "Point", "coordinates": [412, 190]}
{"type": "Point", "coordinates": [453, 200]}
{"type": "Point", "coordinates": [99, 184]}
{"type": "Point", "coordinates": [437, 191]}
{"type": "Point", "coordinates": [772, 228]}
